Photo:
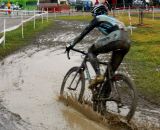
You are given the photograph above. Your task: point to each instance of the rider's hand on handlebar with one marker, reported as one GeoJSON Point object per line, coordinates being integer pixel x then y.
{"type": "Point", "coordinates": [69, 47]}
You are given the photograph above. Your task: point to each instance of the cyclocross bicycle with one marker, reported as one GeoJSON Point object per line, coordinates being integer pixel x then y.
{"type": "Point", "coordinates": [120, 96]}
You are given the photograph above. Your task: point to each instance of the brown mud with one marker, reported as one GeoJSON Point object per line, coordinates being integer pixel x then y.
{"type": "Point", "coordinates": [147, 116]}
{"type": "Point", "coordinates": [31, 80]}
{"type": "Point", "coordinates": [112, 121]}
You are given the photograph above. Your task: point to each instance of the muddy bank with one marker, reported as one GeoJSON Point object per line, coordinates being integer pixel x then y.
{"type": "Point", "coordinates": [10, 120]}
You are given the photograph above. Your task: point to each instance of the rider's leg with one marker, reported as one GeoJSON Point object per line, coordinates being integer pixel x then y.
{"type": "Point", "coordinates": [94, 62]}
{"type": "Point", "coordinates": [116, 42]}
{"type": "Point", "coordinates": [119, 45]}
{"type": "Point", "coordinates": [116, 59]}
{"type": "Point", "coordinates": [119, 50]}
{"type": "Point", "coordinates": [93, 59]}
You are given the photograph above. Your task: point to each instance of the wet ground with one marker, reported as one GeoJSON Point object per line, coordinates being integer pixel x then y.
{"type": "Point", "coordinates": [30, 81]}
{"type": "Point", "coordinates": [30, 89]}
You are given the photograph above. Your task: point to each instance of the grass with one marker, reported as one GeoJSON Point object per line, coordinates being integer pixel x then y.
{"type": "Point", "coordinates": [144, 55]}
{"type": "Point", "coordinates": [76, 17]}
{"type": "Point", "coordinates": [14, 40]}
{"type": "Point", "coordinates": [31, 7]}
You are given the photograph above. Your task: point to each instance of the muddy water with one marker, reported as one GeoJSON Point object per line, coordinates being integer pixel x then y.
{"type": "Point", "coordinates": [30, 86]}
{"type": "Point", "coordinates": [30, 82]}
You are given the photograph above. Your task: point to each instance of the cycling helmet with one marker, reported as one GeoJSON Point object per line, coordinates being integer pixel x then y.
{"type": "Point", "coordinates": [99, 10]}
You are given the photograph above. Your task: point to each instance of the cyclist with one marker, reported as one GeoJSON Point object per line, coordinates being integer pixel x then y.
{"type": "Point", "coordinates": [115, 39]}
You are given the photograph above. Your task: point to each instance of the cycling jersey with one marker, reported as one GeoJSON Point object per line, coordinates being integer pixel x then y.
{"type": "Point", "coordinates": [114, 38]}
{"type": "Point", "coordinates": [105, 25]}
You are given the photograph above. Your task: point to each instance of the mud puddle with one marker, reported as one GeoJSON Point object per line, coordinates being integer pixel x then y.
{"type": "Point", "coordinates": [30, 83]}
{"type": "Point", "coordinates": [147, 115]}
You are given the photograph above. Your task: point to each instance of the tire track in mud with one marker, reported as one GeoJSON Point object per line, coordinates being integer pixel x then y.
{"type": "Point", "coordinates": [10, 120]}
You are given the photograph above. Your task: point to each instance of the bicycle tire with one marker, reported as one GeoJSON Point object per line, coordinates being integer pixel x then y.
{"type": "Point", "coordinates": [117, 80]}
{"type": "Point", "coordinates": [81, 79]}
{"type": "Point", "coordinates": [99, 105]}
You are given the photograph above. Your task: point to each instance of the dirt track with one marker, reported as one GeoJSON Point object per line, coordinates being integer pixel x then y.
{"type": "Point", "coordinates": [30, 84]}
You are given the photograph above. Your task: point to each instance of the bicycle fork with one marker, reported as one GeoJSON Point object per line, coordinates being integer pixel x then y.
{"type": "Point", "coordinates": [78, 71]}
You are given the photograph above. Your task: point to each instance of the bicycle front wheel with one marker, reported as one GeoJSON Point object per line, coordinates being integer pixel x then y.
{"type": "Point", "coordinates": [123, 96]}
{"type": "Point", "coordinates": [73, 84]}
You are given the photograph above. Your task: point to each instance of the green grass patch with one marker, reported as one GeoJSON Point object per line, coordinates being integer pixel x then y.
{"type": "Point", "coordinates": [31, 7]}
{"type": "Point", "coordinates": [144, 56]}
{"type": "Point", "coordinates": [76, 17]}
{"type": "Point", "coordinates": [14, 40]}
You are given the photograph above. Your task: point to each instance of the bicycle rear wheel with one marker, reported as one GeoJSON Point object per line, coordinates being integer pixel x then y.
{"type": "Point", "coordinates": [123, 97]}
{"type": "Point", "coordinates": [73, 84]}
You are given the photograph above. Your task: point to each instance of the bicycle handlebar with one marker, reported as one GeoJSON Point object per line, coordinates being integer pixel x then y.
{"type": "Point", "coordinates": [82, 52]}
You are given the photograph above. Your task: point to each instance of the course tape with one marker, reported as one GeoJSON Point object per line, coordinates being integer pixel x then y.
{"type": "Point", "coordinates": [17, 26]}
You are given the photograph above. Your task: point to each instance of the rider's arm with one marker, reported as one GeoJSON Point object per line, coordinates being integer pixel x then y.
{"type": "Point", "coordinates": [90, 27]}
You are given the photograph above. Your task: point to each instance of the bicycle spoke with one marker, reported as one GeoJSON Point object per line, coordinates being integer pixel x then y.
{"type": "Point", "coordinates": [72, 82]}
{"type": "Point", "coordinates": [123, 98]}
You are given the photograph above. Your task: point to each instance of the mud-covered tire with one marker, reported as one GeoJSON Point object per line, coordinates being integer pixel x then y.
{"type": "Point", "coordinates": [79, 91]}
{"type": "Point", "coordinates": [99, 106]}
{"type": "Point", "coordinates": [121, 85]}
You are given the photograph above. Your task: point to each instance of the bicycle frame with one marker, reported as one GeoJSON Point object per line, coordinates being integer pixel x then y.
{"type": "Point", "coordinates": [84, 67]}
{"type": "Point", "coordinates": [108, 90]}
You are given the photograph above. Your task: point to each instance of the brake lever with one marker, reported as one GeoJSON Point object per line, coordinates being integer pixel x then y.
{"type": "Point", "coordinates": [68, 55]}
{"type": "Point", "coordinates": [68, 50]}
